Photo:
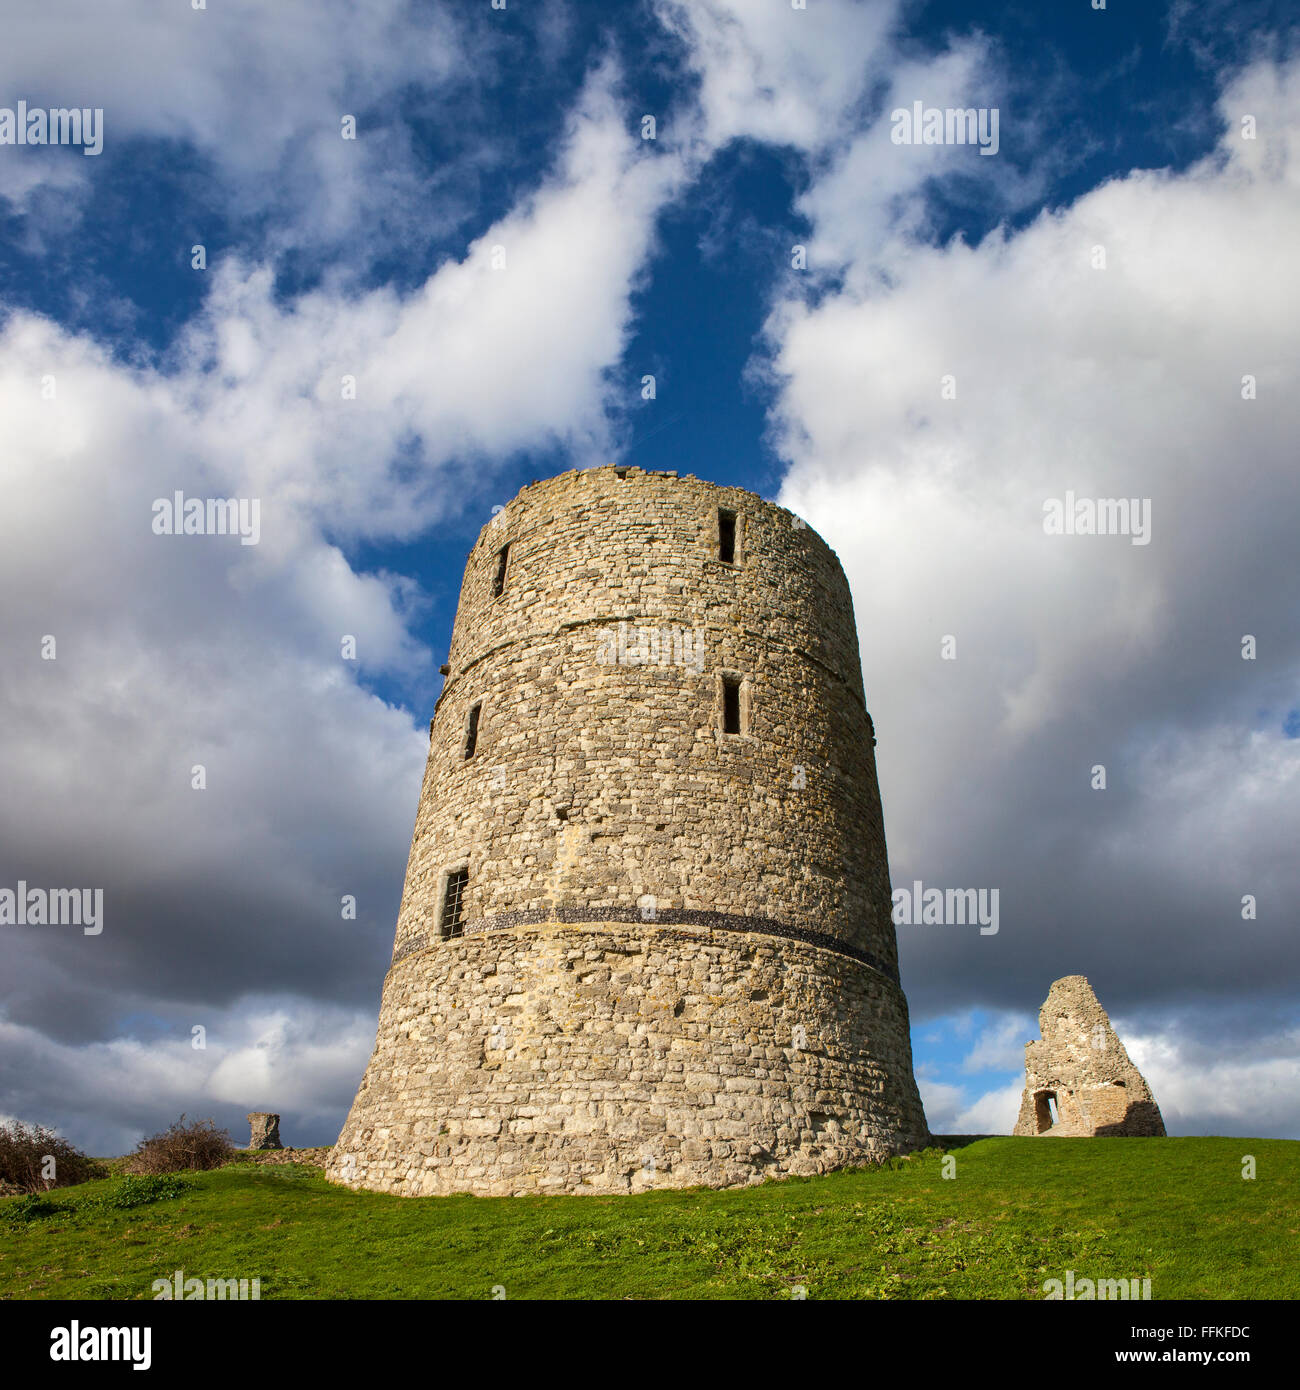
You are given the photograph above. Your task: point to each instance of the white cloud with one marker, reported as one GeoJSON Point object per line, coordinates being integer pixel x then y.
{"type": "Point", "coordinates": [1071, 651]}
{"type": "Point", "coordinates": [774, 73]}
{"type": "Point", "coordinates": [1000, 1045]}
{"type": "Point", "coordinates": [503, 349]}
{"type": "Point", "coordinates": [1207, 1083]}
{"type": "Point", "coordinates": [825, 80]}
{"type": "Point", "coordinates": [257, 94]}
{"type": "Point", "coordinates": [299, 1060]}
{"type": "Point", "coordinates": [994, 1112]}
{"type": "Point", "coordinates": [941, 1100]}
{"type": "Point", "coordinates": [947, 1110]}
{"type": "Point", "coordinates": [1074, 651]}
{"type": "Point", "coordinates": [872, 198]}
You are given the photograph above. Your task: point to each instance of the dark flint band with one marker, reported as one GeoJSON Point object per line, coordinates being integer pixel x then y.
{"type": "Point", "coordinates": [670, 916]}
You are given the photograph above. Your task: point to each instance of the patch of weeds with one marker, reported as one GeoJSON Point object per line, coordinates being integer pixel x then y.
{"type": "Point", "coordinates": [22, 1211]}
{"type": "Point", "coordinates": [112, 1289]}
{"type": "Point", "coordinates": [124, 1194]}
{"type": "Point", "coordinates": [130, 1192]}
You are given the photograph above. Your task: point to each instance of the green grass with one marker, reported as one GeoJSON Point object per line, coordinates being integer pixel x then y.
{"type": "Point", "coordinates": [1018, 1211]}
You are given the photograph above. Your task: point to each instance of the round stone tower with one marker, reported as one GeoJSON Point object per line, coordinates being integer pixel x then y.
{"type": "Point", "coordinates": [645, 939]}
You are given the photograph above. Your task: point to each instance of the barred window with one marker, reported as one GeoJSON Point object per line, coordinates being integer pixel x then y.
{"type": "Point", "coordinates": [453, 904]}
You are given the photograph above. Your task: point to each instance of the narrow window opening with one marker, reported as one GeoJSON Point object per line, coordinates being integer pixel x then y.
{"type": "Point", "coordinates": [1046, 1114]}
{"type": "Point", "coordinates": [499, 582]}
{"type": "Point", "coordinates": [726, 536]}
{"type": "Point", "coordinates": [730, 705]}
{"type": "Point", "coordinates": [620, 473]}
{"type": "Point", "coordinates": [453, 904]}
{"type": "Point", "coordinates": [471, 733]}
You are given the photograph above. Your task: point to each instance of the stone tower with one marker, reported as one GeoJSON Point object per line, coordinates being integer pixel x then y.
{"type": "Point", "coordinates": [1079, 1080]}
{"type": "Point", "coordinates": [645, 939]}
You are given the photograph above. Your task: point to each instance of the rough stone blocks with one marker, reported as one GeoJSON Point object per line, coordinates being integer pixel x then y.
{"type": "Point", "coordinates": [645, 938]}
{"type": "Point", "coordinates": [1079, 1081]}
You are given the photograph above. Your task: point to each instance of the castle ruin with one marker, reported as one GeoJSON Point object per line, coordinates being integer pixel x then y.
{"type": "Point", "coordinates": [1079, 1080]}
{"type": "Point", "coordinates": [645, 939]}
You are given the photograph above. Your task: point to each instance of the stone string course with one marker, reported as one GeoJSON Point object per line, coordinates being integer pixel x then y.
{"type": "Point", "coordinates": [724, 921]}
{"type": "Point", "coordinates": [754, 1025]}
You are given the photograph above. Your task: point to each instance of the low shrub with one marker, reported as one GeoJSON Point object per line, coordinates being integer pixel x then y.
{"type": "Point", "coordinates": [22, 1211]}
{"type": "Point", "coordinates": [196, 1146]}
{"type": "Point", "coordinates": [138, 1191]}
{"type": "Point", "coordinates": [34, 1159]}
{"type": "Point", "coordinates": [123, 1195]}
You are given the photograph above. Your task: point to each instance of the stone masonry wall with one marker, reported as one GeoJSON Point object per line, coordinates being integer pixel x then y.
{"type": "Point", "coordinates": [631, 866]}
{"type": "Point", "coordinates": [1083, 1067]}
{"type": "Point", "coordinates": [573, 1060]}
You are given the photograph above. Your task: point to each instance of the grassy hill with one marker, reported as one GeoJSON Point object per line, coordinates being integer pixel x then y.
{"type": "Point", "coordinates": [1017, 1212]}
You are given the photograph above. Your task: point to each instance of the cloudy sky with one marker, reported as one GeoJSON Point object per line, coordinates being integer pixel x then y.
{"type": "Point", "coordinates": [915, 346]}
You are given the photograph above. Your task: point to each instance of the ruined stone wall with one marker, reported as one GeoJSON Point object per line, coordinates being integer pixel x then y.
{"type": "Point", "coordinates": [678, 946]}
{"type": "Point", "coordinates": [1079, 1079]}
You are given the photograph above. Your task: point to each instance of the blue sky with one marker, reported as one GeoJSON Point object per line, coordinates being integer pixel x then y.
{"type": "Point", "coordinates": [477, 127]}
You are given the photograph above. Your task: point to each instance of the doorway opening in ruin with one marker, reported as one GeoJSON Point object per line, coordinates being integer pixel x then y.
{"type": "Point", "coordinates": [1045, 1110]}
